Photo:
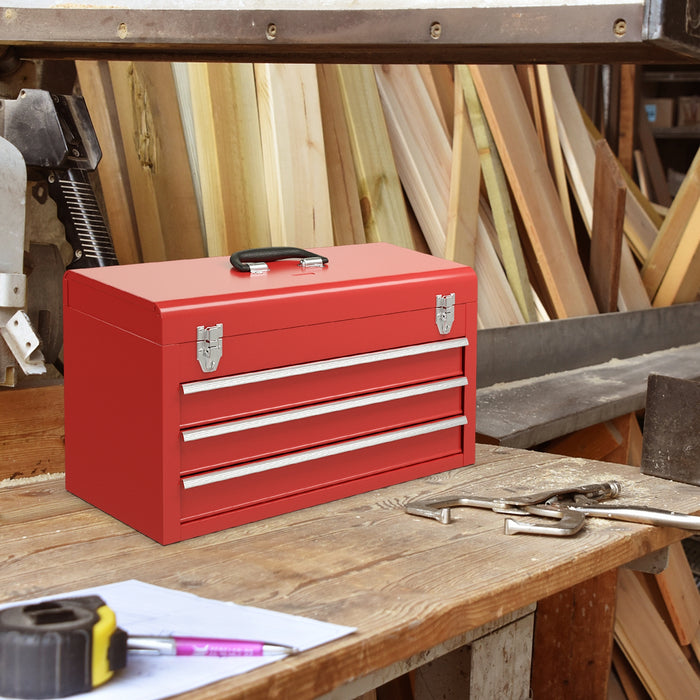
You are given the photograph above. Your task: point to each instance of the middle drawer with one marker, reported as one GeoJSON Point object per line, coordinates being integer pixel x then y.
{"type": "Point", "coordinates": [268, 434]}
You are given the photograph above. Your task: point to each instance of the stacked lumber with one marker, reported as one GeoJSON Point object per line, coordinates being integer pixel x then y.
{"type": "Point", "coordinates": [496, 167]}
{"type": "Point", "coordinates": [656, 620]}
{"type": "Point", "coordinates": [657, 631]}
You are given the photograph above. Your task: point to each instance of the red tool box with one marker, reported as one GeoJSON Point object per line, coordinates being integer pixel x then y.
{"type": "Point", "coordinates": [199, 397]}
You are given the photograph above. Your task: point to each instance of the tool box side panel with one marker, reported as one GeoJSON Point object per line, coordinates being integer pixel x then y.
{"type": "Point", "coordinates": [470, 311]}
{"type": "Point", "coordinates": [94, 296]}
{"type": "Point", "coordinates": [114, 421]}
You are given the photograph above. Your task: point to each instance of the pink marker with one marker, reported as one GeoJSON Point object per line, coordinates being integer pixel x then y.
{"type": "Point", "coordinates": [204, 646]}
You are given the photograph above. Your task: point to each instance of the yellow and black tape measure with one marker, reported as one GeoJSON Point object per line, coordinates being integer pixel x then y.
{"type": "Point", "coordinates": [59, 647]}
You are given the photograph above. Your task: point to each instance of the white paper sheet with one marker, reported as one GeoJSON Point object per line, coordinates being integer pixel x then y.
{"type": "Point", "coordinates": [144, 609]}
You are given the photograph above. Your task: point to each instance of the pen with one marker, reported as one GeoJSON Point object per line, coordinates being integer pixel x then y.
{"type": "Point", "coordinates": [204, 646]}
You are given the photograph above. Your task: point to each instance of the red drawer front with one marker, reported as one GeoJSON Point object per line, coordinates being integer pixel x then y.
{"type": "Point", "coordinates": [286, 431]}
{"type": "Point", "coordinates": [259, 392]}
{"type": "Point", "coordinates": [198, 501]}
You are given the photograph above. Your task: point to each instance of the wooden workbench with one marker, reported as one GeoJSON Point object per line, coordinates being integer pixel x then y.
{"type": "Point", "coordinates": [407, 584]}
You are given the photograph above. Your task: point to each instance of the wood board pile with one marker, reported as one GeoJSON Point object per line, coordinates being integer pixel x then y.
{"type": "Point", "coordinates": [654, 618]}
{"type": "Point", "coordinates": [493, 166]}
{"type": "Point", "coordinates": [657, 632]}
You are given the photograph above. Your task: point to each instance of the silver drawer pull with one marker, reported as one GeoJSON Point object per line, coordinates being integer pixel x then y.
{"type": "Point", "coordinates": [264, 465]}
{"type": "Point", "coordinates": [318, 410]}
{"type": "Point", "coordinates": [321, 366]}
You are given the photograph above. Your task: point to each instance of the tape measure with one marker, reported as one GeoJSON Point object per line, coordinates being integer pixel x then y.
{"type": "Point", "coordinates": [59, 647]}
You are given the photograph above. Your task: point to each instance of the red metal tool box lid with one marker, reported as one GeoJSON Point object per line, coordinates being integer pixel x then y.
{"type": "Point", "coordinates": [164, 301]}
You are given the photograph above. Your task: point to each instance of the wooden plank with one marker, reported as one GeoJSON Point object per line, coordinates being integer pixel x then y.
{"type": "Point", "coordinates": [500, 663]}
{"type": "Point", "coordinates": [342, 185]}
{"type": "Point", "coordinates": [671, 231]}
{"type": "Point", "coordinates": [443, 79]}
{"type": "Point", "coordinates": [634, 453]}
{"type": "Point", "coordinates": [617, 440]}
{"type": "Point", "coordinates": [689, 289]}
{"type": "Point", "coordinates": [649, 645]}
{"type": "Point", "coordinates": [574, 635]}
{"type": "Point", "coordinates": [381, 198]}
{"type": "Point", "coordinates": [420, 146]}
{"type": "Point", "coordinates": [531, 411]}
{"type": "Point", "coordinates": [31, 431]}
{"type": "Point", "coordinates": [465, 186]}
{"type": "Point", "coordinates": [227, 135]}
{"type": "Point", "coordinates": [632, 686]}
{"type": "Point", "coordinates": [609, 195]}
{"type": "Point", "coordinates": [426, 173]}
{"type": "Point", "coordinates": [181, 78]}
{"type": "Point", "coordinates": [580, 159]}
{"type": "Point", "coordinates": [552, 144]}
{"type": "Point", "coordinates": [681, 283]}
{"type": "Point", "coordinates": [486, 225]}
{"type": "Point", "coordinates": [680, 594]}
{"type": "Point", "coordinates": [445, 670]}
{"type": "Point", "coordinates": [499, 196]}
{"type": "Point", "coordinates": [96, 88]}
{"type": "Point", "coordinates": [497, 305]}
{"type": "Point", "coordinates": [293, 155]}
{"type": "Point", "coordinates": [527, 76]}
{"type": "Point", "coordinates": [156, 156]}
{"type": "Point", "coordinates": [440, 86]}
{"type": "Point", "coordinates": [642, 175]}
{"type": "Point", "coordinates": [594, 442]}
{"type": "Point", "coordinates": [627, 116]}
{"type": "Point", "coordinates": [558, 264]}
{"type": "Point", "coordinates": [630, 449]}
{"type": "Point", "coordinates": [643, 224]}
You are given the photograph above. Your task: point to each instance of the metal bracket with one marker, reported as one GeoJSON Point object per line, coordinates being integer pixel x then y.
{"type": "Point", "coordinates": [210, 346]}
{"type": "Point", "coordinates": [258, 268]}
{"type": "Point", "coordinates": [652, 563]}
{"type": "Point", "coordinates": [13, 290]}
{"type": "Point", "coordinates": [444, 312]}
{"type": "Point", "coordinates": [311, 262]}
{"type": "Point", "coordinates": [23, 342]}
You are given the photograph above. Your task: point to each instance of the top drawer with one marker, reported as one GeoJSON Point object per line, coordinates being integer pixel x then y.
{"type": "Point", "coordinates": [238, 395]}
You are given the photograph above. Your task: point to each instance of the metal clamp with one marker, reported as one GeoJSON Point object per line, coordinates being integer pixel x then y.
{"type": "Point", "coordinates": [569, 505]}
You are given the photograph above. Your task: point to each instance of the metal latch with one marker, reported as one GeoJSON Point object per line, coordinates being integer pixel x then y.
{"type": "Point", "coordinates": [444, 312]}
{"type": "Point", "coordinates": [210, 346]}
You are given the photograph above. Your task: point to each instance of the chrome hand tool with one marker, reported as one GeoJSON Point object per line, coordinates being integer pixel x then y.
{"type": "Point", "coordinates": [569, 505]}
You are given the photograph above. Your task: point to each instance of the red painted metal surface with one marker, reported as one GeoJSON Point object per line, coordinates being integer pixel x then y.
{"type": "Point", "coordinates": [135, 391]}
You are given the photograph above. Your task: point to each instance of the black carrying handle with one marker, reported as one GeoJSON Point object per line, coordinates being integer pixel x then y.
{"type": "Point", "coordinates": [241, 259]}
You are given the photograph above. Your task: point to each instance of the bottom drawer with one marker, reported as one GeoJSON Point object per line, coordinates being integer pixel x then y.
{"type": "Point", "coordinates": [222, 490]}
